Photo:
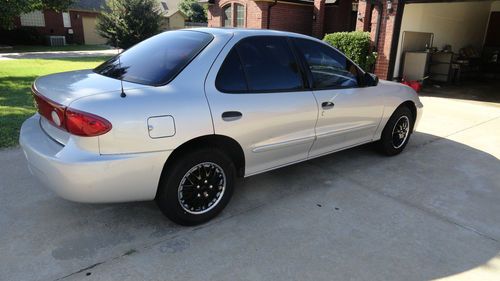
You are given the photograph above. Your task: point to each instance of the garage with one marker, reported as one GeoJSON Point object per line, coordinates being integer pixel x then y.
{"type": "Point", "coordinates": [452, 46]}
{"type": "Point", "coordinates": [89, 31]}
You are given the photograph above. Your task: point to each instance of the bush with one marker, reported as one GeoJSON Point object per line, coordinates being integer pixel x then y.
{"type": "Point", "coordinates": [125, 23]}
{"type": "Point", "coordinates": [193, 10]}
{"type": "Point", "coordinates": [21, 36]}
{"type": "Point", "coordinates": [355, 45]}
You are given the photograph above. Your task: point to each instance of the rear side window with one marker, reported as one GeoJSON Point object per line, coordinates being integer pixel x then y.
{"type": "Point", "coordinates": [231, 77]}
{"type": "Point", "coordinates": [265, 62]}
{"type": "Point", "coordinates": [329, 68]}
{"type": "Point", "coordinates": [157, 60]}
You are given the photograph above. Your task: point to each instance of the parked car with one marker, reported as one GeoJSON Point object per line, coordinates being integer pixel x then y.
{"type": "Point", "coordinates": [179, 116]}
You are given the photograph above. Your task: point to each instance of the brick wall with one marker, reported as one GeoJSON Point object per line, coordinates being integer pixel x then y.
{"type": "Point", "coordinates": [255, 13]}
{"type": "Point", "coordinates": [77, 24]}
{"type": "Point", "coordinates": [295, 17]}
{"type": "Point", "coordinates": [338, 17]}
{"type": "Point", "coordinates": [385, 33]}
{"type": "Point", "coordinates": [54, 25]}
{"type": "Point", "coordinates": [290, 17]}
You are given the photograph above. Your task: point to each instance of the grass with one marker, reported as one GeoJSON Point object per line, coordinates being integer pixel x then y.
{"type": "Point", "coordinates": [72, 47]}
{"type": "Point", "coordinates": [16, 77]}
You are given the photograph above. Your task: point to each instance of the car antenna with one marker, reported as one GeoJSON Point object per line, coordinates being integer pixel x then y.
{"type": "Point", "coordinates": [121, 78]}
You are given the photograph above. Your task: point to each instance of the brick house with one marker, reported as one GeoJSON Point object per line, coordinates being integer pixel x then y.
{"type": "Point", "coordinates": [77, 24]}
{"type": "Point", "coordinates": [459, 23]}
{"type": "Point", "coordinates": [302, 16]}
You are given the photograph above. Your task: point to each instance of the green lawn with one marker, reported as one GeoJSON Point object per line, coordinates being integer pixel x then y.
{"type": "Point", "coordinates": [72, 47]}
{"type": "Point", "coordinates": [16, 77]}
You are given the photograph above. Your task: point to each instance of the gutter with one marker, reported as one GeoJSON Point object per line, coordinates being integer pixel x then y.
{"type": "Point", "coordinates": [269, 12]}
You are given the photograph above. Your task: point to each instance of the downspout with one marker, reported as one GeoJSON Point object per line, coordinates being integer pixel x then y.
{"type": "Point", "coordinates": [379, 22]}
{"type": "Point", "coordinates": [395, 40]}
{"type": "Point", "coordinates": [269, 12]}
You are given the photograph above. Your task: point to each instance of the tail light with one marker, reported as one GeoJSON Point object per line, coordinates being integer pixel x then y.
{"type": "Point", "coordinates": [73, 121]}
{"type": "Point", "coordinates": [85, 124]}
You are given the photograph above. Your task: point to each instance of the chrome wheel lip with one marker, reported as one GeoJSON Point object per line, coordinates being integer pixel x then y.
{"type": "Point", "coordinates": [401, 128]}
{"type": "Point", "coordinates": [218, 197]}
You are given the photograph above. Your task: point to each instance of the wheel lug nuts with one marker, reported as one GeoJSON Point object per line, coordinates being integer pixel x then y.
{"type": "Point", "coordinates": [210, 186]}
{"type": "Point", "coordinates": [206, 181]}
{"type": "Point", "coordinates": [197, 186]}
{"type": "Point", "coordinates": [205, 194]}
{"type": "Point", "coordinates": [198, 195]}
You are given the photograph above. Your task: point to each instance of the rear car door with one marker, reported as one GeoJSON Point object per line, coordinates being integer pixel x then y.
{"type": "Point", "coordinates": [257, 96]}
{"type": "Point", "coordinates": [349, 113]}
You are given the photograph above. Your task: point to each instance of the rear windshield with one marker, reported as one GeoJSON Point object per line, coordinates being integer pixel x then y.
{"type": "Point", "coordinates": [157, 60]}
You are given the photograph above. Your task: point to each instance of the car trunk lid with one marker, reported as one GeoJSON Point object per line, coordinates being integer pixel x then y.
{"type": "Point", "coordinates": [64, 88]}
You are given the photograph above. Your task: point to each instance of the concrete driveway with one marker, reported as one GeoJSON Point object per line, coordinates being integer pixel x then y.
{"type": "Point", "coordinates": [59, 54]}
{"type": "Point", "coordinates": [432, 212]}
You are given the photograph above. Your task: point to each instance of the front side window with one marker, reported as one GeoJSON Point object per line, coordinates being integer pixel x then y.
{"type": "Point", "coordinates": [156, 60]}
{"type": "Point", "coordinates": [267, 64]}
{"type": "Point", "coordinates": [227, 16]}
{"type": "Point", "coordinates": [329, 68]}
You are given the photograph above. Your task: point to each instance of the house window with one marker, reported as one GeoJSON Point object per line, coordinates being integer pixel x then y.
{"type": "Point", "coordinates": [227, 19]}
{"type": "Point", "coordinates": [34, 18]}
{"type": "Point", "coordinates": [240, 15]}
{"type": "Point", "coordinates": [66, 19]}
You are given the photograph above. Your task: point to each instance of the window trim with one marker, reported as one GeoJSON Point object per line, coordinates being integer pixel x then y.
{"type": "Point", "coordinates": [235, 10]}
{"type": "Point", "coordinates": [224, 8]}
{"type": "Point", "coordinates": [233, 6]}
{"type": "Point", "coordinates": [305, 86]}
{"type": "Point", "coordinates": [307, 68]}
{"type": "Point", "coordinates": [68, 19]}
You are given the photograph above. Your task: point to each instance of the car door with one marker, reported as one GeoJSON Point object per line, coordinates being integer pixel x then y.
{"type": "Point", "coordinates": [257, 96]}
{"type": "Point", "coordinates": [349, 113]}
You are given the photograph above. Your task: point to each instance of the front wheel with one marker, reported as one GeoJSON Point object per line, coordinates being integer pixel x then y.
{"type": "Point", "coordinates": [196, 187]}
{"type": "Point", "coordinates": [397, 131]}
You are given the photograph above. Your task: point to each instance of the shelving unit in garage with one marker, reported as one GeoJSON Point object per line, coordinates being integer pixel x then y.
{"type": "Point", "coordinates": [440, 66]}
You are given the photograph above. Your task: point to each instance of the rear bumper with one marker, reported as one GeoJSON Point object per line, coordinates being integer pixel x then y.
{"type": "Point", "coordinates": [81, 176]}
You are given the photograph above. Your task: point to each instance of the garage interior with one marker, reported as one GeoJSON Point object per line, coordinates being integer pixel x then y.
{"type": "Point", "coordinates": [452, 46]}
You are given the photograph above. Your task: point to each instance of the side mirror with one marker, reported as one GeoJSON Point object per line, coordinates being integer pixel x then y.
{"type": "Point", "coordinates": [370, 79]}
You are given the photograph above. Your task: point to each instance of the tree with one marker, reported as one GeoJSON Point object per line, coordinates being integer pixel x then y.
{"type": "Point", "coordinates": [9, 9]}
{"type": "Point", "coordinates": [193, 10]}
{"type": "Point", "coordinates": [125, 23]}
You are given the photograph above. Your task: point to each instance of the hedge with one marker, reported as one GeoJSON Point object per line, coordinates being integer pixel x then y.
{"type": "Point", "coordinates": [356, 45]}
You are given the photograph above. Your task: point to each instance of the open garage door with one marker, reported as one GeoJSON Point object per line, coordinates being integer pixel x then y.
{"type": "Point", "coordinates": [453, 45]}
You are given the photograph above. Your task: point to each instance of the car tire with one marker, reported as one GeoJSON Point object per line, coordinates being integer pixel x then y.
{"type": "Point", "coordinates": [196, 187]}
{"type": "Point", "coordinates": [397, 132]}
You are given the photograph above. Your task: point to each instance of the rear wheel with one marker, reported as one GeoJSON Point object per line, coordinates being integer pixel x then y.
{"type": "Point", "coordinates": [397, 131]}
{"type": "Point", "coordinates": [196, 187]}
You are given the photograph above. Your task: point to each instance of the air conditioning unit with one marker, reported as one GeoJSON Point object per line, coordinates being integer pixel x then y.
{"type": "Point", "coordinates": [57, 40]}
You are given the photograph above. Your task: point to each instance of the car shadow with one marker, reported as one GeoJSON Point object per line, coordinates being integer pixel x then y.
{"type": "Point", "coordinates": [434, 188]}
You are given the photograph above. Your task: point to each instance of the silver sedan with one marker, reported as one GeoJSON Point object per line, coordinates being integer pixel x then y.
{"type": "Point", "coordinates": [179, 116]}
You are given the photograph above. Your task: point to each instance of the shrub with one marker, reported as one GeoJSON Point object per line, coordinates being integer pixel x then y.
{"type": "Point", "coordinates": [193, 10]}
{"type": "Point", "coordinates": [125, 23]}
{"type": "Point", "coordinates": [21, 36]}
{"type": "Point", "coordinates": [355, 45]}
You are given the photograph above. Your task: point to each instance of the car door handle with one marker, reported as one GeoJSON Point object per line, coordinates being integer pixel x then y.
{"type": "Point", "coordinates": [327, 105]}
{"type": "Point", "coordinates": [231, 115]}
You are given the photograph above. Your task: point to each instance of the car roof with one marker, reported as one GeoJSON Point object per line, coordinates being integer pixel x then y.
{"type": "Point", "coordinates": [245, 32]}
